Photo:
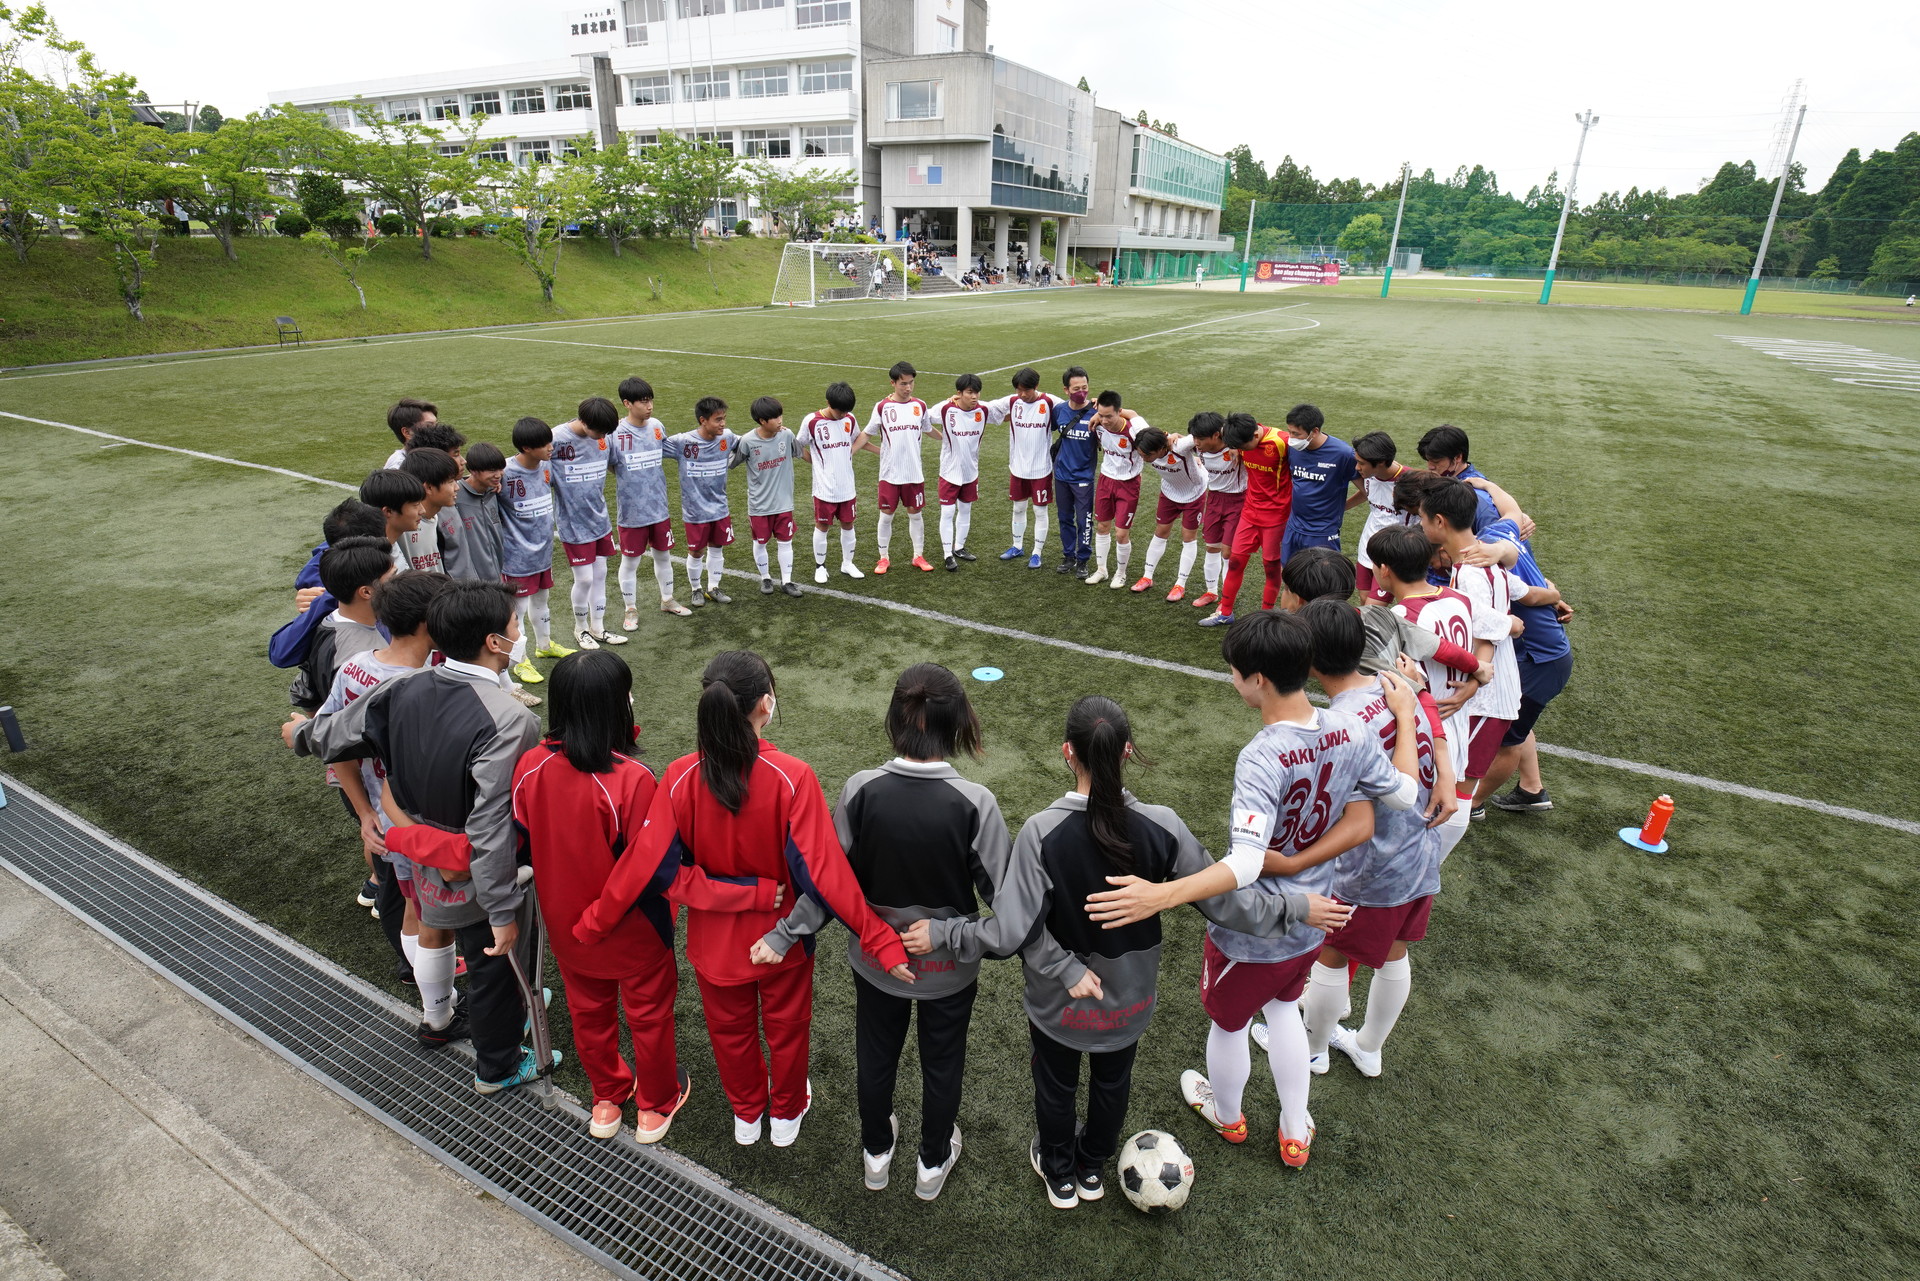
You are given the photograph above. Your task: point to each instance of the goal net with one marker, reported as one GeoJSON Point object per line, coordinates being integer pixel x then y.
{"type": "Point", "coordinates": [822, 272]}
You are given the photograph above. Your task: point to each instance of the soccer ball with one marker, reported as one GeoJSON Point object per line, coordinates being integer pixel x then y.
{"type": "Point", "coordinates": [1155, 1172]}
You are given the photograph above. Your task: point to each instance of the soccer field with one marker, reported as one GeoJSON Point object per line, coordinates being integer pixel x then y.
{"type": "Point", "coordinates": [1610, 293]}
{"type": "Point", "coordinates": [1613, 1064]}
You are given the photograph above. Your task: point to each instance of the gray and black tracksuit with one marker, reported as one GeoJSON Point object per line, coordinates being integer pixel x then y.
{"type": "Point", "coordinates": [449, 737]}
{"type": "Point", "coordinates": [1040, 911]}
{"type": "Point", "coordinates": [924, 843]}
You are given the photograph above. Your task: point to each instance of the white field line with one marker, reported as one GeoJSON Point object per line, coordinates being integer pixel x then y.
{"type": "Point", "coordinates": [1906, 826]}
{"type": "Point", "coordinates": [703, 355]}
{"type": "Point", "coordinates": [920, 311]}
{"type": "Point", "coordinates": [1121, 342]}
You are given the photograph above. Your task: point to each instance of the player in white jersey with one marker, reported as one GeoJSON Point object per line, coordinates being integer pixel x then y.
{"type": "Point", "coordinates": [897, 423]}
{"type": "Point", "coordinates": [1028, 413]}
{"type": "Point", "coordinates": [1183, 492]}
{"type": "Point", "coordinates": [1226, 493]}
{"type": "Point", "coordinates": [829, 438]}
{"type": "Point", "coordinates": [1116, 492]}
{"type": "Point", "coordinates": [406, 414]}
{"type": "Point", "coordinates": [959, 421]}
{"type": "Point", "coordinates": [1374, 473]}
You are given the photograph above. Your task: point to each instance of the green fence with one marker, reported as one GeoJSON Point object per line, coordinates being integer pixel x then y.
{"type": "Point", "coordinates": [1164, 267]}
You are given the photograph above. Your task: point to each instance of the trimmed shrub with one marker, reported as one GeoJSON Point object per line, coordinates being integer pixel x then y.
{"type": "Point", "coordinates": [291, 222]}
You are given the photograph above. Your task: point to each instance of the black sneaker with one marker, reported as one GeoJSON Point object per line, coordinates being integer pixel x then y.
{"type": "Point", "coordinates": [403, 973]}
{"type": "Point", "coordinates": [791, 589]}
{"type": "Point", "coordinates": [369, 893]}
{"type": "Point", "coordinates": [1519, 800]}
{"type": "Point", "coordinates": [1064, 567]}
{"type": "Point", "coordinates": [766, 587]}
{"type": "Point", "coordinates": [951, 563]}
{"type": "Point", "coordinates": [1477, 813]}
{"type": "Point", "coordinates": [961, 553]}
{"type": "Point", "coordinates": [455, 1030]}
{"type": "Point", "coordinates": [1088, 1184]}
{"type": "Point", "coordinates": [1081, 568]}
{"type": "Point", "coordinates": [1065, 1194]}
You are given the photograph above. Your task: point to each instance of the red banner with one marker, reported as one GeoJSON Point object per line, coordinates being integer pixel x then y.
{"type": "Point", "coordinates": [1298, 273]}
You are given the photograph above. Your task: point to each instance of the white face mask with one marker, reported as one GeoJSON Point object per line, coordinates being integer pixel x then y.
{"type": "Point", "coordinates": [772, 704]}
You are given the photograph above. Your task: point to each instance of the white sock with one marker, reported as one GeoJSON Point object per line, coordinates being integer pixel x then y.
{"type": "Point", "coordinates": [1287, 1058]}
{"type": "Point", "coordinates": [433, 975]}
{"type": "Point", "coordinates": [1019, 522]}
{"type": "Point", "coordinates": [784, 551]}
{"type": "Point", "coordinates": [886, 534]}
{"type": "Point", "coordinates": [663, 573]}
{"type": "Point", "coordinates": [946, 529]}
{"type": "Point", "coordinates": [542, 621]}
{"type": "Point", "coordinates": [917, 533]}
{"type": "Point", "coordinates": [760, 559]}
{"type": "Point", "coordinates": [1211, 571]}
{"type": "Point", "coordinates": [1039, 529]}
{"type": "Point", "coordinates": [1101, 543]}
{"type": "Point", "coordinates": [962, 523]}
{"type": "Point", "coordinates": [582, 595]}
{"type": "Point", "coordinates": [630, 581]}
{"type": "Point", "coordinates": [1122, 553]}
{"type": "Point", "coordinates": [1229, 1064]}
{"type": "Point", "coordinates": [1155, 550]}
{"type": "Point", "coordinates": [1386, 997]}
{"type": "Point", "coordinates": [694, 562]}
{"type": "Point", "coordinates": [597, 601]}
{"type": "Point", "coordinates": [524, 608]}
{"type": "Point", "coordinates": [410, 948]}
{"type": "Point", "coordinates": [1326, 998]}
{"type": "Point", "coordinates": [1187, 552]}
{"type": "Point", "coordinates": [716, 565]}
{"type": "Point", "coordinates": [819, 546]}
{"type": "Point", "coordinates": [847, 544]}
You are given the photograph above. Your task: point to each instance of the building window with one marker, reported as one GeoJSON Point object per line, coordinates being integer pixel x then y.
{"type": "Point", "coordinates": [747, 6]}
{"type": "Point", "coordinates": [826, 140]}
{"type": "Point", "coordinates": [825, 77]}
{"type": "Point", "coordinates": [567, 150]}
{"type": "Point", "coordinates": [649, 91]}
{"type": "Point", "coordinates": [527, 154]}
{"type": "Point", "coordinates": [492, 151]}
{"type": "Point", "coordinates": [832, 14]}
{"type": "Point", "coordinates": [526, 102]}
{"type": "Point", "coordinates": [452, 149]}
{"type": "Point", "coordinates": [763, 82]}
{"type": "Point", "coordinates": [403, 110]}
{"type": "Point", "coordinates": [913, 100]}
{"type": "Point", "coordinates": [724, 211]}
{"type": "Point", "coordinates": [636, 14]}
{"type": "Point", "coordinates": [772, 144]}
{"type": "Point", "coordinates": [946, 36]}
{"type": "Point", "coordinates": [572, 98]}
{"type": "Point", "coordinates": [701, 8]}
{"type": "Point", "coordinates": [339, 117]}
{"type": "Point", "coordinates": [702, 85]}
{"type": "Point", "coordinates": [722, 139]}
{"type": "Point", "coordinates": [484, 103]}
{"type": "Point", "coordinates": [444, 108]}
{"type": "Point", "coordinates": [645, 141]}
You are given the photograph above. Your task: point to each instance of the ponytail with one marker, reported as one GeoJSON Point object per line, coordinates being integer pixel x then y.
{"type": "Point", "coordinates": [732, 684]}
{"type": "Point", "coordinates": [1098, 730]}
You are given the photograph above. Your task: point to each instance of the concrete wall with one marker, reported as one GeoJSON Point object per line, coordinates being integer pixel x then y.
{"type": "Point", "coordinates": [966, 97]}
{"type": "Point", "coordinates": [966, 173]}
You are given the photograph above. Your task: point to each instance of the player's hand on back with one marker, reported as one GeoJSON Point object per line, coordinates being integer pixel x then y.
{"type": "Point", "coordinates": [918, 938]}
{"type": "Point", "coordinates": [761, 954]}
{"type": "Point", "coordinates": [1478, 554]}
{"type": "Point", "coordinates": [1462, 691]}
{"type": "Point", "coordinates": [293, 723]}
{"type": "Point", "coordinates": [1327, 914]}
{"type": "Point", "coordinates": [1401, 699]}
{"type": "Point", "coordinates": [1441, 806]}
{"type": "Point", "coordinates": [1134, 900]}
{"type": "Point", "coordinates": [1087, 989]}
{"type": "Point", "coordinates": [1415, 674]}
{"type": "Point", "coordinates": [303, 598]}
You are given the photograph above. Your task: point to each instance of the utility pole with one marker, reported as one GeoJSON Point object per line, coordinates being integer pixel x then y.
{"type": "Point", "coordinates": [1246, 257]}
{"type": "Point", "coordinates": [1393, 247]}
{"type": "Point", "coordinates": [1766, 237]}
{"type": "Point", "coordinates": [1587, 121]}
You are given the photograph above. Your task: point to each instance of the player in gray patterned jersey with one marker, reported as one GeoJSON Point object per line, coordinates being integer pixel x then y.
{"type": "Point", "coordinates": [526, 545]}
{"type": "Point", "coordinates": [768, 452]}
{"type": "Point", "coordinates": [640, 486]}
{"type": "Point", "coordinates": [579, 472]}
{"type": "Point", "coordinates": [703, 456]}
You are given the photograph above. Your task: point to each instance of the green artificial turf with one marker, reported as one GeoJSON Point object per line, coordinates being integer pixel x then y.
{"type": "Point", "coordinates": [1613, 1065]}
{"type": "Point", "coordinates": [1609, 293]}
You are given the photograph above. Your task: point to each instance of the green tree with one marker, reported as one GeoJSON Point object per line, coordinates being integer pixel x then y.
{"type": "Point", "coordinates": [1365, 238]}
{"type": "Point", "coordinates": [1887, 183]}
{"type": "Point", "coordinates": [43, 131]}
{"type": "Point", "coordinates": [618, 200]}
{"type": "Point", "coordinates": [327, 205]}
{"type": "Point", "coordinates": [122, 172]}
{"type": "Point", "coordinates": [801, 198]}
{"type": "Point", "coordinates": [686, 178]}
{"type": "Point", "coordinates": [225, 179]}
{"type": "Point", "coordinates": [1084, 86]}
{"type": "Point", "coordinates": [345, 257]}
{"type": "Point", "coordinates": [1827, 269]}
{"type": "Point", "coordinates": [533, 204]}
{"type": "Point", "coordinates": [1249, 174]}
{"type": "Point", "coordinates": [402, 167]}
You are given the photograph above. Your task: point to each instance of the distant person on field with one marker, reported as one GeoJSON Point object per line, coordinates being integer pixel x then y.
{"type": "Point", "coordinates": [1029, 416]}
{"type": "Point", "coordinates": [1226, 495]}
{"type": "Point", "coordinates": [526, 545]}
{"type": "Point", "coordinates": [898, 423]}
{"type": "Point", "coordinates": [831, 436]}
{"type": "Point", "coordinates": [1073, 457]}
{"type": "Point", "coordinates": [1264, 513]}
{"type": "Point", "coordinates": [960, 422]}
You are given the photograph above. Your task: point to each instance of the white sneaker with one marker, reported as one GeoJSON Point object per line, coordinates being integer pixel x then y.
{"type": "Point", "coordinates": [1119, 580]}
{"type": "Point", "coordinates": [878, 1167]}
{"type": "Point", "coordinates": [630, 621]}
{"type": "Point", "coordinates": [848, 568]}
{"type": "Point", "coordinates": [819, 573]}
{"type": "Point", "coordinates": [1095, 577]}
{"type": "Point", "coordinates": [1320, 1063]}
{"type": "Point", "coordinates": [581, 640]}
{"type": "Point", "coordinates": [785, 1132]}
{"type": "Point", "coordinates": [746, 1133]}
{"type": "Point", "coordinates": [1260, 1036]}
{"type": "Point", "coordinates": [927, 1183]}
{"type": "Point", "coordinates": [1345, 1040]}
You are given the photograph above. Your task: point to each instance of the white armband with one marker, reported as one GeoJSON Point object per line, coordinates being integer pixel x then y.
{"type": "Point", "coordinates": [1247, 861]}
{"type": "Point", "coordinates": [1403, 796]}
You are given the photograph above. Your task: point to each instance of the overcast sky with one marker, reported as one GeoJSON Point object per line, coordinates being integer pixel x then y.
{"type": "Point", "coordinates": [1350, 89]}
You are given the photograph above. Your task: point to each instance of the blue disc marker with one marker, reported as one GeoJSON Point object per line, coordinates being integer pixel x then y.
{"type": "Point", "coordinates": [1631, 835]}
{"type": "Point", "coordinates": [987, 673]}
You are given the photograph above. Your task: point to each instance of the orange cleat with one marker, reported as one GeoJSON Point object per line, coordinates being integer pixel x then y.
{"type": "Point", "coordinates": [1179, 593]}
{"type": "Point", "coordinates": [920, 562]}
{"type": "Point", "coordinates": [1294, 1151]}
{"type": "Point", "coordinates": [881, 568]}
{"type": "Point", "coordinates": [1142, 584]}
{"type": "Point", "coordinates": [1197, 1091]}
{"type": "Point", "coordinates": [1202, 601]}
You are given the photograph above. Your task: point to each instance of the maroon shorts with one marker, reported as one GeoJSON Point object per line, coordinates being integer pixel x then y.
{"type": "Point", "coordinates": [1371, 932]}
{"type": "Point", "coordinates": [1223, 515]}
{"type": "Point", "coordinates": [709, 533]}
{"type": "Point", "coordinates": [1165, 511]}
{"type": "Point", "coordinates": [405, 886]}
{"type": "Point", "coordinates": [1483, 743]}
{"type": "Point", "coordinates": [1247, 535]}
{"type": "Point", "coordinates": [1232, 992]}
{"type": "Point", "coordinates": [892, 496]}
{"type": "Point", "coordinates": [528, 584]}
{"type": "Point", "coordinates": [777, 526]}
{"type": "Point", "coordinates": [826, 513]}
{"type": "Point", "coordinates": [1369, 589]}
{"type": "Point", "coordinates": [1116, 500]}
{"type": "Point", "coordinates": [585, 553]}
{"type": "Point", "coordinates": [1038, 490]}
{"type": "Point", "coordinates": [966, 492]}
{"type": "Point", "coordinates": [636, 539]}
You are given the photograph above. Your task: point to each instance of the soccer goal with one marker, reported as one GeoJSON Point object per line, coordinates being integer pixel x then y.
{"type": "Point", "coordinates": [822, 272]}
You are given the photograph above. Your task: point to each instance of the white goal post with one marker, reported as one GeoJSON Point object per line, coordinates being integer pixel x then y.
{"type": "Point", "coordinates": [820, 271]}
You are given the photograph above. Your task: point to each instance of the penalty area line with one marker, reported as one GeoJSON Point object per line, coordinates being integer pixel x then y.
{"type": "Point", "coordinates": [1180, 329]}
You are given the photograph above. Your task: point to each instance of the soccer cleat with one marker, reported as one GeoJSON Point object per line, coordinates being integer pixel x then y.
{"type": "Point", "coordinates": [605, 1121]}
{"type": "Point", "coordinates": [1117, 581]}
{"type": "Point", "coordinates": [1294, 1151]}
{"type": "Point", "coordinates": [523, 697]}
{"type": "Point", "coordinates": [1179, 593]}
{"type": "Point", "coordinates": [1012, 553]}
{"type": "Point", "coordinates": [927, 1183]}
{"type": "Point", "coordinates": [527, 1071]}
{"type": "Point", "coordinates": [1065, 1194]}
{"type": "Point", "coordinates": [368, 891]}
{"type": "Point", "coordinates": [525, 672]}
{"type": "Point", "coordinates": [881, 566]}
{"type": "Point", "coordinates": [630, 621]}
{"type": "Point", "coordinates": [961, 553]}
{"type": "Point", "coordinates": [1205, 599]}
{"type": "Point", "coordinates": [652, 1126]}
{"type": "Point", "coordinates": [920, 563]}
{"type": "Point", "coordinates": [435, 1038]}
{"type": "Point", "coordinates": [819, 573]}
{"type": "Point", "coordinates": [1094, 577]}
{"type": "Point", "coordinates": [1319, 1064]}
{"type": "Point", "coordinates": [784, 1132]}
{"type": "Point", "coordinates": [746, 1133]}
{"type": "Point", "coordinates": [584, 639]}
{"type": "Point", "coordinates": [1033, 561]}
{"type": "Point", "coordinates": [1520, 801]}
{"type": "Point", "coordinates": [1198, 1093]}
{"type": "Point", "coordinates": [1217, 619]}
{"type": "Point", "coordinates": [851, 570]}
{"type": "Point", "coordinates": [1080, 569]}
{"type": "Point", "coordinates": [674, 607]}
{"type": "Point", "coordinates": [718, 597]}
{"type": "Point", "coordinates": [1259, 1033]}
{"type": "Point", "coordinates": [1347, 1041]}
{"type": "Point", "coordinates": [1064, 567]}
{"type": "Point", "coordinates": [766, 587]}
{"type": "Point", "coordinates": [698, 598]}
{"type": "Point", "coordinates": [878, 1169]}
{"type": "Point", "coordinates": [1142, 583]}
{"type": "Point", "coordinates": [606, 637]}
{"type": "Point", "coordinates": [790, 589]}
{"type": "Point", "coordinates": [1089, 1185]}
{"type": "Point", "coordinates": [552, 649]}
{"type": "Point", "coordinates": [1477, 813]}
{"type": "Point", "coordinates": [951, 564]}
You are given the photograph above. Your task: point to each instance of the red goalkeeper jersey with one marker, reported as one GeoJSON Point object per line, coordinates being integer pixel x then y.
{"type": "Point", "coordinates": [1269, 478]}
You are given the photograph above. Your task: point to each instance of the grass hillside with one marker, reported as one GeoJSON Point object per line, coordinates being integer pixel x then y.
{"type": "Point", "coordinates": [63, 303]}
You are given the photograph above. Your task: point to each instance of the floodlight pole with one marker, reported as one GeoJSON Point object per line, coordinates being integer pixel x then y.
{"type": "Point", "coordinates": [1587, 121]}
{"type": "Point", "coordinates": [1779, 189]}
{"type": "Point", "coordinates": [1247, 256]}
{"type": "Point", "coordinates": [1393, 246]}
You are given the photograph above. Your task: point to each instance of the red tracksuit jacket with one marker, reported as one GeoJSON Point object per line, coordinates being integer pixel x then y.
{"type": "Point", "coordinates": [783, 833]}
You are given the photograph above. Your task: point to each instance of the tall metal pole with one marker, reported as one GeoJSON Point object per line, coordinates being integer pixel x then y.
{"type": "Point", "coordinates": [1779, 189]}
{"type": "Point", "coordinates": [1393, 247]}
{"type": "Point", "coordinates": [1587, 121]}
{"type": "Point", "coordinates": [1246, 258]}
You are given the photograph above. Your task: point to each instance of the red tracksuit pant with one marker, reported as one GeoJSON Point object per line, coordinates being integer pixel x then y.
{"type": "Point", "coordinates": [782, 1005]}
{"type": "Point", "coordinates": [594, 1003]}
{"type": "Point", "coordinates": [1246, 537]}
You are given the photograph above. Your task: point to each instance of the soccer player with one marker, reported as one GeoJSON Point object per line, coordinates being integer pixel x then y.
{"type": "Point", "coordinates": [579, 473]}
{"type": "Point", "coordinates": [768, 452]}
{"type": "Point", "coordinates": [1322, 468]}
{"type": "Point", "coordinates": [402, 499]}
{"type": "Point", "coordinates": [475, 550]}
{"type": "Point", "coordinates": [832, 436]}
{"type": "Point", "coordinates": [1073, 470]}
{"type": "Point", "coordinates": [1226, 494]}
{"type": "Point", "coordinates": [640, 489]}
{"type": "Point", "coordinates": [406, 414]}
{"type": "Point", "coordinates": [1183, 491]}
{"type": "Point", "coordinates": [897, 422]}
{"type": "Point", "coordinates": [1444, 449]}
{"type": "Point", "coordinates": [526, 545]}
{"type": "Point", "coordinates": [1544, 657]}
{"type": "Point", "coordinates": [349, 570]}
{"type": "Point", "coordinates": [1028, 413]}
{"type": "Point", "coordinates": [436, 435]}
{"type": "Point", "coordinates": [960, 421]}
{"type": "Point", "coordinates": [1320, 573]}
{"type": "Point", "coordinates": [1374, 473]}
{"type": "Point", "coordinates": [439, 477]}
{"type": "Point", "coordinates": [1263, 516]}
{"type": "Point", "coordinates": [1116, 494]}
{"type": "Point", "coordinates": [703, 456]}
{"type": "Point", "coordinates": [311, 603]}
